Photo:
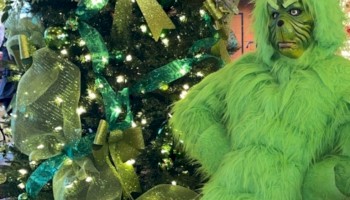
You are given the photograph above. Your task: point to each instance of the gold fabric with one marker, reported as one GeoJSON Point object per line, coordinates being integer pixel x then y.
{"type": "Point", "coordinates": [45, 117]}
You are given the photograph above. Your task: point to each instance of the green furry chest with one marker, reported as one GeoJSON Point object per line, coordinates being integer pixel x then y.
{"type": "Point", "coordinates": [298, 114]}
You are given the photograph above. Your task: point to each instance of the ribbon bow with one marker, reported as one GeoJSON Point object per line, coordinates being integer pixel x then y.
{"type": "Point", "coordinates": [117, 148]}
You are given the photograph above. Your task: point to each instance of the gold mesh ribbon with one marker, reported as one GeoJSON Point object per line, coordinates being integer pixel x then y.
{"type": "Point", "coordinates": [156, 18]}
{"type": "Point", "coordinates": [116, 148]}
{"type": "Point", "coordinates": [45, 117]}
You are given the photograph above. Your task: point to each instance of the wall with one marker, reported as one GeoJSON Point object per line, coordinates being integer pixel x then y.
{"type": "Point", "coordinates": [246, 43]}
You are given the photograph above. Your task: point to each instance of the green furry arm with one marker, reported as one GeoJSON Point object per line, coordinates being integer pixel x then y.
{"type": "Point", "coordinates": [197, 122]}
{"type": "Point", "coordinates": [330, 178]}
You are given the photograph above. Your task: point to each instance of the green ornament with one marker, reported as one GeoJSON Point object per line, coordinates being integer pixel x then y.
{"type": "Point", "coordinates": [55, 37]}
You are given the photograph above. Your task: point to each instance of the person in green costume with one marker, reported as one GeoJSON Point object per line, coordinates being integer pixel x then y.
{"type": "Point", "coordinates": [275, 124]}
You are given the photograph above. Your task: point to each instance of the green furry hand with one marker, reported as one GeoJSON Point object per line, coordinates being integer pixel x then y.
{"type": "Point", "coordinates": [342, 176]}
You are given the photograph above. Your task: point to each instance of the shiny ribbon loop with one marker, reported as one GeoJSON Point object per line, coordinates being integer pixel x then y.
{"type": "Point", "coordinates": [155, 16]}
{"type": "Point", "coordinates": [157, 20]}
{"type": "Point", "coordinates": [115, 149]}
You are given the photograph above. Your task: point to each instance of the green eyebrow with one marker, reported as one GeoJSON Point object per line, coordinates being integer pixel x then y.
{"type": "Point", "coordinates": [285, 4]}
{"type": "Point", "coordinates": [288, 3]}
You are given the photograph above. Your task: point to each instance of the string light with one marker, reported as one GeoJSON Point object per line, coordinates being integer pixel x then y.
{"type": "Point", "coordinates": [128, 58]}
{"type": "Point", "coordinates": [173, 183]}
{"type": "Point", "coordinates": [183, 18]}
{"type": "Point", "coordinates": [58, 128]}
{"type": "Point", "coordinates": [88, 179]}
{"type": "Point", "coordinates": [82, 43]}
{"type": "Point", "coordinates": [21, 186]}
{"type": "Point", "coordinates": [87, 57]}
{"type": "Point", "coordinates": [183, 94]}
{"type": "Point", "coordinates": [143, 28]}
{"type": "Point", "coordinates": [23, 171]}
{"type": "Point", "coordinates": [64, 52]}
{"type": "Point", "coordinates": [81, 110]}
{"type": "Point", "coordinates": [104, 59]}
{"type": "Point", "coordinates": [91, 95]}
{"type": "Point", "coordinates": [199, 74]}
{"type": "Point", "coordinates": [202, 12]}
{"type": "Point", "coordinates": [186, 86]}
{"type": "Point", "coordinates": [130, 162]}
{"type": "Point", "coordinates": [120, 79]}
{"type": "Point", "coordinates": [58, 100]}
{"type": "Point", "coordinates": [165, 41]}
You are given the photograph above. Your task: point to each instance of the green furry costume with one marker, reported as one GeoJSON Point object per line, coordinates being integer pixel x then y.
{"type": "Point", "coordinates": [271, 127]}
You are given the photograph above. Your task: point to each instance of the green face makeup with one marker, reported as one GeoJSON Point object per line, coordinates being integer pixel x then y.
{"type": "Point", "coordinates": [290, 27]}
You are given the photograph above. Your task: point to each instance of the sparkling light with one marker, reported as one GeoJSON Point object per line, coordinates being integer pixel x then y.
{"type": "Point", "coordinates": [143, 121]}
{"type": "Point", "coordinates": [128, 58]}
{"type": "Point", "coordinates": [117, 110]}
{"type": "Point", "coordinates": [120, 79]}
{"type": "Point", "coordinates": [183, 71]}
{"type": "Point", "coordinates": [133, 124]}
{"type": "Point", "coordinates": [173, 183]}
{"type": "Point", "coordinates": [104, 60]}
{"type": "Point", "coordinates": [199, 74]}
{"type": "Point", "coordinates": [130, 162]}
{"type": "Point", "coordinates": [91, 95]}
{"type": "Point", "coordinates": [81, 110]}
{"type": "Point", "coordinates": [88, 179]}
{"type": "Point", "coordinates": [87, 57]}
{"type": "Point", "coordinates": [202, 12]}
{"type": "Point", "coordinates": [143, 28]}
{"type": "Point", "coordinates": [165, 41]}
{"type": "Point", "coordinates": [186, 86]}
{"type": "Point", "coordinates": [64, 52]}
{"type": "Point", "coordinates": [183, 18]}
{"type": "Point", "coordinates": [183, 94]}
{"type": "Point", "coordinates": [58, 100]}
{"type": "Point", "coordinates": [82, 43]}
{"type": "Point", "coordinates": [58, 128]}
{"type": "Point", "coordinates": [23, 171]}
{"type": "Point", "coordinates": [41, 146]}
{"type": "Point", "coordinates": [21, 186]}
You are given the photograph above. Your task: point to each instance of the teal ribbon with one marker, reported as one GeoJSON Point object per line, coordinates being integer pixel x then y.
{"type": "Point", "coordinates": [46, 171]}
{"type": "Point", "coordinates": [114, 102]}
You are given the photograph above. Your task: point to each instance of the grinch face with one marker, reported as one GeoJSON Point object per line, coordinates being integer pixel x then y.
{"type": "Point", "coordinates": [290, 27]}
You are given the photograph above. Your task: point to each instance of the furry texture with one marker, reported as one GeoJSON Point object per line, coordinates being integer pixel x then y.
{"type": "Point", "coordinates": [268, 127]}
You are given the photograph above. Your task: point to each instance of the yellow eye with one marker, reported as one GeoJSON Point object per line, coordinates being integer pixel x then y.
{"type": "Point", "coordinates": [295, 12]}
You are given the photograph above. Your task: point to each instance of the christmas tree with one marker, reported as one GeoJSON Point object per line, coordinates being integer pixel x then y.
{"type": "Point", "coordinates": [97, 79]}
